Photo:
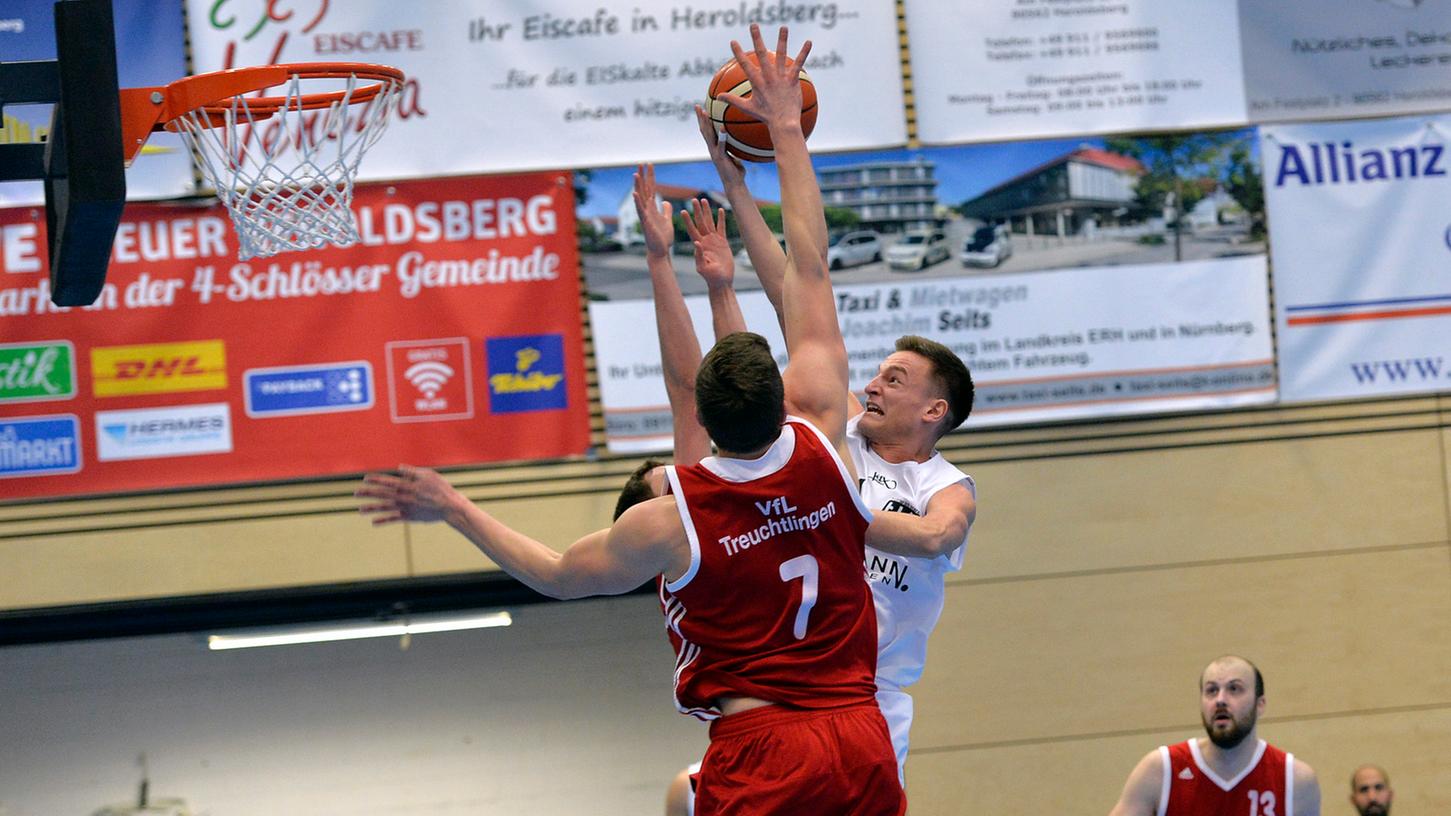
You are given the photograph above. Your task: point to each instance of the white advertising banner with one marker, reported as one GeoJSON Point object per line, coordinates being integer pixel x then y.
{"type": "Point", "coordinates": [1334, 59]}
{"type": "Point", "coordinates": [1359, 215]}
{"type": "Point", "coordinates": [580, 83]}
{"type": "Point", "coordinates": [987, 70]}
{"type": "Point", "coordinates": [1041, 346]}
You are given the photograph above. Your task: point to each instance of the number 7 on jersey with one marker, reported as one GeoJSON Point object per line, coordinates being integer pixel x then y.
{"type": "Point", "coordinates": [805, 568]}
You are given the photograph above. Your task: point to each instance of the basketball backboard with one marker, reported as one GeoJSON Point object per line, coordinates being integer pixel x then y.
{"type": "Point", "coordinates": [80, 160]}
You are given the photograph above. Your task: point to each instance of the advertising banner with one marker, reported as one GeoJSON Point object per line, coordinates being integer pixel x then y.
{"type": "Point", "coordinates": [1068, 344]}
{"type": "Point", "coordinates": [527, 86]}
{"type": "Point", "coordinates": [449, 335]}
{"type": "Point", "coordinates": [149, 52]}
{"type": "Point", "coordinates": [1360, 242]}
{"type": "Point", "coordinates": [1335, 59]}
{"type": "Point", "coordinates": [986, 70]}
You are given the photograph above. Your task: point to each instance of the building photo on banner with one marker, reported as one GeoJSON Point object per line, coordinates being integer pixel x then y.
{"type": "Point", "coordinates": [1077, 278]}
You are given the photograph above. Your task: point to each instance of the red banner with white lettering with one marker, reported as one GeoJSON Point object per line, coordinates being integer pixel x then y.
{"type": "Point", "coordinates": [449, 335]}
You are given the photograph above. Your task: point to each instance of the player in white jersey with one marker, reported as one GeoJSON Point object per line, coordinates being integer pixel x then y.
{"type": "Point", "coordinates": [907, 590]}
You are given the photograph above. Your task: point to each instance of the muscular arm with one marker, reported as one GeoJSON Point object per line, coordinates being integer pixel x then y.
{"type": "Point", "coordinates": [679, 348]}
{"type": "Point", "coordinates": [645, 542]}
{"type": "Point", "coordinates": [715, 265]}
{"type": "Point", "coordinates": [766, 255]}
{"type": "Point", "coordinates": [1141, 792]}
{"type": "Point", "coordinates": [1307, 790]}
{"type": "Point", "coordinates": [816, 377]}
{"type": "Point", "coordinates": [938, 531]}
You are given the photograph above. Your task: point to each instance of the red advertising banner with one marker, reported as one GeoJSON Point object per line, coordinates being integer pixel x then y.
{"type": "Point", "coordinates": [451, 334]}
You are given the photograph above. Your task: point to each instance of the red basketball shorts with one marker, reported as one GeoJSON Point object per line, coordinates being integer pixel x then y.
{"type": "Point", "coordinates": [775, 760]}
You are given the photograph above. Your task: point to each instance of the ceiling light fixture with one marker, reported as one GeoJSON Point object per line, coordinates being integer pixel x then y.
{"type": "Point", "coordinates": [292, 635]}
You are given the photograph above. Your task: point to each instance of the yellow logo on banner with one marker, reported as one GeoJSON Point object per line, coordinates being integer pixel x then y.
{"type": "Point", "coordinates": [159, 368]}
{"type": "Point", "coordinates": [524, 379]}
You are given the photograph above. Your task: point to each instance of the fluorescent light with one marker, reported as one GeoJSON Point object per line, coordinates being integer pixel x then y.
{"type": "Point", "coordinates": [284, 637]}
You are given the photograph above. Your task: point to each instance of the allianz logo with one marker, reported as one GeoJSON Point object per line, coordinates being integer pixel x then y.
{"type": "Point", "coordinates": [1320, 163]}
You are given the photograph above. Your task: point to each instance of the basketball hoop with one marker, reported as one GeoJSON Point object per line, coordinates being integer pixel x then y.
{"type": "Point", "coordinates": [283, 165]}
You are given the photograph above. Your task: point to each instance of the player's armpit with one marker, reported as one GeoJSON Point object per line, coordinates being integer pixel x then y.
{"type": "Point", "coordinates": [646, 541]}
{"type": "Point", "coordinates": [939, 531]}
{"type": "Point", "coordinates": [1141, 792]}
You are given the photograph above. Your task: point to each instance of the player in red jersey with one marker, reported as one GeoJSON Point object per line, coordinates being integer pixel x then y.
{"type": "Point", "coordinates": [758, 551]}
{"type": "Point", "coordinates": [1231, 772]}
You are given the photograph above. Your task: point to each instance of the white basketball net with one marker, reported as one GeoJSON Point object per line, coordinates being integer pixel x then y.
{"type": "Point", "coordinates": [287, 178]}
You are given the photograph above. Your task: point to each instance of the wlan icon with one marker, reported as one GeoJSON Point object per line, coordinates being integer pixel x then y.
{"type": "Point", "coordinates": [430, 380]}
{"type": "Point", "coordinates": [428, 377]}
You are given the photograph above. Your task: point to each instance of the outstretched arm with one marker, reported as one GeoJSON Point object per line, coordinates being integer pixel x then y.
{"type": "Point", "coordinates": [767, 257]}
{"type": "Point", "coordinates": [939, 531]}
{"type": "Point", "coordinates": [816, 377]}
{"type": "Point", "coordinates": [679, 348]}
{"type": "Point", "coordinates": [714, 263]}
{"type": "Point", "coordinates": [640, 546]}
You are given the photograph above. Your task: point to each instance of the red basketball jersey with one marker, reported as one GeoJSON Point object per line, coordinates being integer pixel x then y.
{"type": "Point", "coordinates": [775, 604]}
{"type": "Point", "coordinates": [1264, 788]}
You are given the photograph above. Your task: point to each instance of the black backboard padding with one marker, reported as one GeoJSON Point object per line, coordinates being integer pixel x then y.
{"type": "Point", "coordinates": [22, 162]}
{"type": "Point", "coordinates": [28, 81]}
{"type": "Point", "coordinates": [86, 169]}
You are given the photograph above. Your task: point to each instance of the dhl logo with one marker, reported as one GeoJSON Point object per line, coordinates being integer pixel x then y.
{"type": "Point", "coordinates": [158, 368]}
{"type": "Point", "coordinates": [522, 380]}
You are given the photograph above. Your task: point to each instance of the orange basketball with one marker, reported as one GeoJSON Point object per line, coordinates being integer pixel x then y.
{"type": "Point", "coordinates": [743, 135]}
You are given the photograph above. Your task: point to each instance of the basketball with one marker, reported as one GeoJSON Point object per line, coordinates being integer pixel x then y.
{"type": "Point", "coordinates": [743, 135]}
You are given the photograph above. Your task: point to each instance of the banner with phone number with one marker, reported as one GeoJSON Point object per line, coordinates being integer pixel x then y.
{"type": "Point", "coordinates": [1058, 345]}
{"type": "Point", "coordinates": [451, 334]}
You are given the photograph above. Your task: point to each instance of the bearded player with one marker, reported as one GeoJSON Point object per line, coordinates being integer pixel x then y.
{"type": "Point", "coordinates": [1229, 772]}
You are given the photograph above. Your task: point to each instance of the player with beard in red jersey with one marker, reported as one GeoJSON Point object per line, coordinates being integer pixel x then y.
{"type": "Point", "coordinates": [1230, 772]}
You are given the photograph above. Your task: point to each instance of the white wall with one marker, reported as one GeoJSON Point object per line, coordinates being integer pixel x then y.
{"type": "Point", "coordinates": [567, 711]}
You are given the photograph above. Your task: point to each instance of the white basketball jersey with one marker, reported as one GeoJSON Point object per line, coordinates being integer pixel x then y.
{"type": "Point", "coordinates": [907, 591]}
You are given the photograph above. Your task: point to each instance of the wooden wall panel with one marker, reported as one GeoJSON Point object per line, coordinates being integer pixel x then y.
{"type": "Point", "coordinates": [194, 559]}
{"type": "Point", "coordinates": [1198, 504]}
{"type": "Point", "coordinates": [1037, 659]}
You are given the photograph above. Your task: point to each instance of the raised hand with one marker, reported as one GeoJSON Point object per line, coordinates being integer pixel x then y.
{"type": "Point", "coordinates": [713, 259]}
{"type": "Point", "coordinates": [655, 222]}
{"type": "Point", "coordinates": [416, 494]}
{"type": "Point", "coordinates": [775, 83]}
{"type": "Point", "coordinates": [728, 167]}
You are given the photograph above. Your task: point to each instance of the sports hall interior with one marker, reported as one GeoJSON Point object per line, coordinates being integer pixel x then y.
{"type": "Point", "coordinates": [1110, 560]}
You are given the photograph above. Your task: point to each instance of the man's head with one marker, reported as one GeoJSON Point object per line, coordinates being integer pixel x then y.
{"type": "Point", "coordinates": [922, 387]}
{"type": "Point", "coordinates": [1231, 699]}
{"type": "Point", "coordinates": [646, 482]}
{"type": "Point", "coordinates": [1370, 791]}
{"type": "Point", "coordinates": [739, 397]}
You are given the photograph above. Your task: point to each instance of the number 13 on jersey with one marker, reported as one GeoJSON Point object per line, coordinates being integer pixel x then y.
{"type": "Point", "coordinates": [1261, 803]}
